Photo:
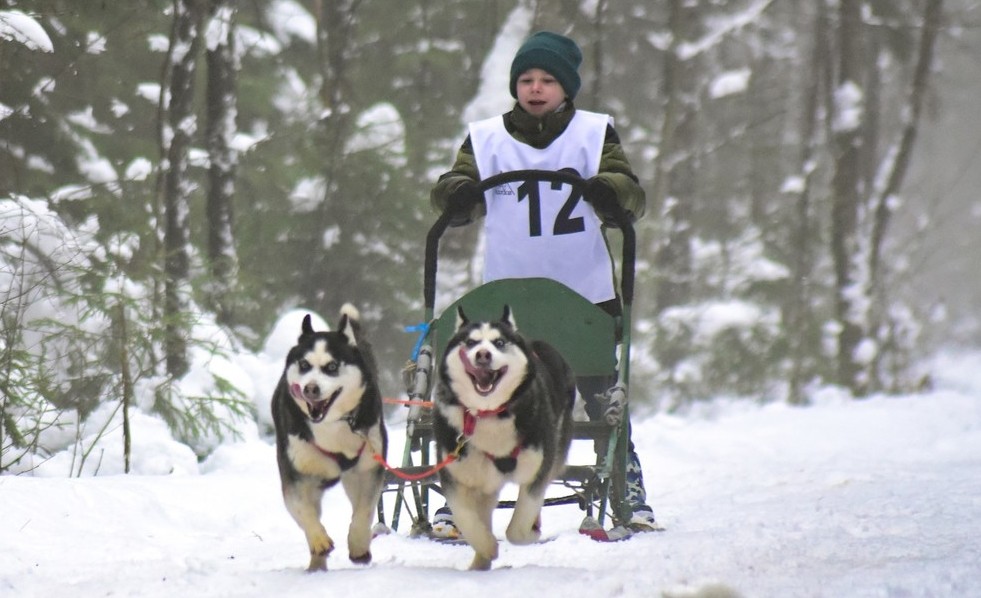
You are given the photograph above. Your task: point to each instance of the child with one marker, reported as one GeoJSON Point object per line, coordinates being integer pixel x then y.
{"type": "Point", "coordinates": [544, 131]}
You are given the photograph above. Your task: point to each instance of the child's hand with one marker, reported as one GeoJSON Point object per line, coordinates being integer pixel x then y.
{"type": "Point", "coordinates": [603, 198]}
{"type": "Point", "coordinates": [463, 199]}
{"type": "Point", "coordinates": [460, 203]}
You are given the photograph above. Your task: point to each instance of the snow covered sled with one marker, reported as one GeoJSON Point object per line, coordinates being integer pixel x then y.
{"type": "Point", "coordinates": [587, 337]}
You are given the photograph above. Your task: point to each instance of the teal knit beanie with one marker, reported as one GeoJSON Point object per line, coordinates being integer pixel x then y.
{"type": "Point", "coordinates": [553, 53]}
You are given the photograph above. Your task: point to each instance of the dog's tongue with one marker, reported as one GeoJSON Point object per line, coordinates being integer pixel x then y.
{"type": "Point", "coordinates": [317, 409]}
{"type": "Point", "coordinates": [484, 378]}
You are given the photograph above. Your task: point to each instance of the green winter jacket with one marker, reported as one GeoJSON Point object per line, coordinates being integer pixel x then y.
{"type": "Point", "coordinates": [614, 168]}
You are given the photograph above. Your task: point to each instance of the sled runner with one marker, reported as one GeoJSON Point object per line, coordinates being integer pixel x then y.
{"type": "Point", "coordinates": [586, 336]}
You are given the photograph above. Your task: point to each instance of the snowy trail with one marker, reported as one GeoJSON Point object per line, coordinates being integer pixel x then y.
{"type": "Point", "coordinates": [874, 498]}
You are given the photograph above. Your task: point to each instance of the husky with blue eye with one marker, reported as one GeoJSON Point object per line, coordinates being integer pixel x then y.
{"type": "Point", "coordinates": [327, 411]}
{"type": "Point", "coordinates": [504, 407]}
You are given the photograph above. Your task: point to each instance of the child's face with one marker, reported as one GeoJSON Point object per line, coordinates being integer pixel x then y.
{"type": "Point", "coordinates": [539, 92]}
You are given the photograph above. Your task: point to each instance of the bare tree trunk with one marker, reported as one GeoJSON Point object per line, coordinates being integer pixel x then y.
{"type": "Point", "coordinates": [177, 188]}
{"type": "Point", "coordinates": [335, 41]}
{"type": "Point", "coordinates": [898, 161]}
{"type": "Point", "coordinates": [599, 26]}
{"type": "Point", "coordinates": [221, 111]}
{"type": "Point", "coordinates": [846, 115]}
{"type": "Point", "coordinates": [893, 170]}
{"type": "Point", "coordinates": [796, 320]}
{"type": "Point", "coordinates": [335, 33]}
{"type": "Point", "coordinates": [676, 164]}
{"type": "Point", "coordinates": [127, 382]}
{"type": "Point", "coordinates": [335, 30]}
{"type": "Point", "coordinates": [336, 21]}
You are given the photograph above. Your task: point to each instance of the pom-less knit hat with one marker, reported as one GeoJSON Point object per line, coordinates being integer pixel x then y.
{"type": "Point", "coordinates": [553, 53]}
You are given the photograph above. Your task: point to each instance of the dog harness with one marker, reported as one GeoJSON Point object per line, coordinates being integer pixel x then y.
{"type": "Point", "coordinates": [470, 418]}
{"type": "Point", "coordinates": [470, 423]}
{"type": "Point", "coordinates": [342, 461]}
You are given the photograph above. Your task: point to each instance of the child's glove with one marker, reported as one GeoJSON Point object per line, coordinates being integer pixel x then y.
{"type": "Point", "coordinates": [461, 202]}
{"type": "Point", "coordinates": [603, 198]}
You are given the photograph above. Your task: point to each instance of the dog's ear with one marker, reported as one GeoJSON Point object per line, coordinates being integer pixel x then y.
{"type": "Point", "coordinates": [350, 318]}
{"type": "Point", "coordinates": [307, 327]}
{"type": "Point", "coordinates": [461, 318]}
{"type": "Point", "coordinates": [347, 329]}
{"type": "Point", "coordinates": [507, 318]}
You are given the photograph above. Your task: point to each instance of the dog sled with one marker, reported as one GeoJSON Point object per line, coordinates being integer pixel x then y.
{"type": "Point", "coordinates": [592, 341]}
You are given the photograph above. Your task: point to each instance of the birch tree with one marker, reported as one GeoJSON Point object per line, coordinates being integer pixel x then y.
{"type": "Point", "coordinates": [675, 174]}
{"type": "Point", "coordinates": [182, 124]}
{"type": "Point", "coordinates": [803, 252]}
{"type": "Point", "coordinates": [221, 106]}
{"type": "Point", "coordinates": [887, 185]}
{"type": "Point", "coordinates": [865, 196]}
{"type": "Point", "coordinates": [846, 113]}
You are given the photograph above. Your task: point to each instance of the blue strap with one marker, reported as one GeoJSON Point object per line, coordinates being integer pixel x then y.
{"type": "Point", "coordinates": [423, 330]}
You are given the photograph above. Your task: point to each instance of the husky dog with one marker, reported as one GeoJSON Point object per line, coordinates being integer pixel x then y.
{"type": "Point", "coordinates": [504, 408]}
{"type": "Point", "coordinates": [327, 412]}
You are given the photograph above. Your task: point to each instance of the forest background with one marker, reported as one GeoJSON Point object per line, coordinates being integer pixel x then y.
{"type": "Point", "coordinates": [172, 168]}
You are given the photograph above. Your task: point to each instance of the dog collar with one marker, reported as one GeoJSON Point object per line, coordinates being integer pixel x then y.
{"type": "Point", "coordinates": [470, 422]}
{"type": "Point", "coordinates": [470, 418]}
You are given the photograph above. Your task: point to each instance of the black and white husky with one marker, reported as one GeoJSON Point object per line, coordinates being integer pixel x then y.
{"type": "Point", "coordinates": [327, 412]}
{"type": "Point", "coordinates": [504, 407]}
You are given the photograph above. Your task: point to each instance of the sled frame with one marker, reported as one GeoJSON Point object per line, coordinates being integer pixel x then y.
{"type": "Point", "coordinates": [587, 337]}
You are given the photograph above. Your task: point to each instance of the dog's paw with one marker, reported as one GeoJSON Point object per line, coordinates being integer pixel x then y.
{"type": "Point", "coordinates": [318, 562]}
{"type": "Point", "coordinates": [519, 534]}
{"type": "Point", "coordinates": [362, 559]}
{"type": "Point", "coordinates": [522, 537]}
{"type": "Point", "coordinates": [319, 551]}
{"type": "Point", "coordinates": [480, 563]}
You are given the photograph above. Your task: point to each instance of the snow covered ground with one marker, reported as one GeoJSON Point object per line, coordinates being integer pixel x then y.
{"type": "Point", "coordinates": [880, 497]}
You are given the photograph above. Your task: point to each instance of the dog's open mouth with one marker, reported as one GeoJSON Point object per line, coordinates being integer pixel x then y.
{"type": "Point", "coordinates": [317, 408]}
{"type": "Point", "coordinates": [484, 378]}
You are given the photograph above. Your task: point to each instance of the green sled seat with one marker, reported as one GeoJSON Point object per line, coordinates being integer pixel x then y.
{"type": "Point", "coordinates": [545, 310]}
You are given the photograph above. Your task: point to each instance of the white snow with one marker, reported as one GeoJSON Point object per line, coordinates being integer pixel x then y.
{"type": "Point", "coordinates": [20, 27]}
{"type": "Point", "coordinates": [157, 42]}
{"type": "Point", "coordinates": [138, 169]}
{"type": "Point", "coordinates": [712, 317]}
{"type": "Point", "coordinates": [721, 27]}
{"type": "Point", "coordinates": [95, 43]}
{"type": "Point", "coordinates": [149, 91]}
{"type": "Point", "coordinates": [380, 130]}
{"type": "Point", "coordinates": [493, 97]}
{"type": "Point", "coordinates": [793, 184]}
{"type": "Point", "coordinates": [290, 19]}
{"type": "Point", "coordinates": [844, 498]}
{"type": "Point", "coordinates": [849, 107]}
{"type": "Point", "coordinates": [308, 194]}
{"type": "Point", "coordinates": [86, 119]}
{"type": "Point", "coordinates": [217, 29]}
{"type": "Point", "coordinates": [730, 83]}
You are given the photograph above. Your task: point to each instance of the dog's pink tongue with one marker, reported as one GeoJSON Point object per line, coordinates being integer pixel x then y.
{"type": "Point", "coordinates": [483, 376]}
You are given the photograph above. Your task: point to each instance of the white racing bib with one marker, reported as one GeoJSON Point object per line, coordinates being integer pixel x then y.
{"type": "Point", "coordinates": [539, 229]}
